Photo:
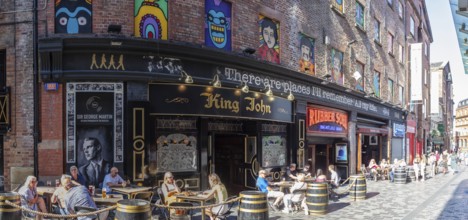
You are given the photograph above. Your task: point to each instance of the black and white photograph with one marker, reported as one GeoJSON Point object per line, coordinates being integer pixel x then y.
{"type": "Point", "coordinates": [373, 140]}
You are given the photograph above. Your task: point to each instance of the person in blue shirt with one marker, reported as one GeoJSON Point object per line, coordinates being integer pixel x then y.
{"type": "Point", "coordinates": [264, 186]}
{"type": "Point", "coordinates": [113, 179]}
{"type": "Point", "coordinates": [76, 176]}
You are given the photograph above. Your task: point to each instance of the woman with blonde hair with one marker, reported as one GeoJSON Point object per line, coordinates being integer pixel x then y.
{"type": "Point", "coordinates": [29, 197]}
{"type": "Point", "coordinates": [416, 166]}
{"type": "Point", "coordinates": [373, 169]}
{"type": "Point", "coordinates": [169, 188]}
{"type": "Point", "coordinates": [295, 197]}
{"type": "Point", "coordinates": [423, 164]}
{"type": "Point", "coordinates": [219, 192]}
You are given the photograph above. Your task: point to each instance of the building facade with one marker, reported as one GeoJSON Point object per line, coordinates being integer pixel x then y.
{"type": "Point", "coordinates": [441, 107]}
{"type": "Point", "coordinates": [223, 86]}
{"type": "Point", "coordinates": [461, 126]}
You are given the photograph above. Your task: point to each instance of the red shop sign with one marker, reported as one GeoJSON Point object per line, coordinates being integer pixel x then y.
{"type": "Point", "coordinates": [325, 120]}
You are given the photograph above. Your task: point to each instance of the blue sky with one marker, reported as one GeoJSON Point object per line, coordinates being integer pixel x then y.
{"type": "Point", "coordinates": [445, 45]}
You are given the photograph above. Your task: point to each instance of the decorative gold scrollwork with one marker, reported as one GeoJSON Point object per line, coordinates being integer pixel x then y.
{"type": "Point", "coordinates": [177, 100]}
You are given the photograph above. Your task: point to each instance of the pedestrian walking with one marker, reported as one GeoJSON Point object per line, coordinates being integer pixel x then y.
{"type": "Point", "coordinates": [453, 162]}
{"type": "Point", "coordinates": [423, 167]}
{"type": "Point", "coordinates": [416, 166]}
{"type": "Point", "coordinates": [432, 164]}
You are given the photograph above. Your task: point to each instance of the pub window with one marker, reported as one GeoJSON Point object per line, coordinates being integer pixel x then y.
{"type": "Point", "coordinates": [377, 31]}
{"type": "Point", "coordinates": [412, 26]}
{"type": "Point", "coordinates": [400, 9]}
{"type": "Point", "coordinates": [359, 15]}
{"type": "Point", "coordinates": [2, 69]}
{"type": "Point", "coordinates": [390, 90]}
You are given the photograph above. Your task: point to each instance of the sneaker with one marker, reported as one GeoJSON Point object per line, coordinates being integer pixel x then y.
{"type": "Point", "coordinates": [285, 211]}
{"type": "Point", "coordinates": [306, 212]}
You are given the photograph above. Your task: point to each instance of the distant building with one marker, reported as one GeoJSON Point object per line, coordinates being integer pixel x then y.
{"type": "Point", "coordinates": [461, 126]}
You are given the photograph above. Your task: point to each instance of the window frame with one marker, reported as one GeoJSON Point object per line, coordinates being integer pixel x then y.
{"type": "Point", "coordinates": [390, 40]}
{"type": "Point", "coordinates": [377, 35]}
{"type": "Point", "coordinates": [391, 89]}
{"type": "Point", "coordinates": [363, 26]}
{"type": "Point", "coordinates": [3, 73]}
{"type": "Point", "coordinates": [412, 26]}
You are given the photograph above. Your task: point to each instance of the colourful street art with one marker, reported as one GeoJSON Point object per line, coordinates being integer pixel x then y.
{"type": "Point", "coordinates": [218, 24]}
{"type": "Point", "coordinates": [73, 16]}
{"type": "Point", "coordinates": [337, 66]}
{"type": "Point", "coordinates": [306, 60]}
{"type": "Point", "coordinates": [269, 48]}
{"type": "Point", "coordinates": [151, 19]}
{"type": "Point", "coordinates": [338, 5]}
{"type": "Point", "coordinates": [377, 84]}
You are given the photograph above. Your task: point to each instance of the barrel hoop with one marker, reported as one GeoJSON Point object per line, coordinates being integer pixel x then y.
{"type": "Point", "coordinates": [317, 211]}
{"type": "Point", "coordinates": [12, 197]}
{"type": "Point", "coordinates": [253, 210]}
{"type": "Point", "coordinates": [252, 196]}
{"type": "Point", "coordinates": [133, 210]}
{"type": "Point", "coordinates": [132, 207]}
{"type": "Point", "coordinates": [316, 195]}
{"type": "Point", "coordinates": [318, 187]}
{"type": "Point", "coordinates": [360, 184]}
{"type": "Point", "coordinates": [316, 204]}
{"type": "Point", "coordinates": [254, 202]}
{"type": "Point", "coordinates": [9, 210]}
{"type": "Point", "coordinates": [4, 203]}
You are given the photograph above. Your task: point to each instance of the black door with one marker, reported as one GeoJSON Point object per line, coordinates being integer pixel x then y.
{"type": "Point", "coordinates": [2, 187]}
{"type": "Point", "coordinates": [229, 161]}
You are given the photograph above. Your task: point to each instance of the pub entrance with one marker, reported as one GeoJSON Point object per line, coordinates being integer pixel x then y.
{"type": "Point", "coordinates": [229, 161]}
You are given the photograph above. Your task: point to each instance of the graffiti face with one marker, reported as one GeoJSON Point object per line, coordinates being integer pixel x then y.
{"type": "Point", "coordinates": [217, 25]}
{"type": "Point", "coordinates": [72, 22]}
{"type": "Point", "coordinates": [151, 19]}
{"type": "Point", "coordinates": [269, 36]}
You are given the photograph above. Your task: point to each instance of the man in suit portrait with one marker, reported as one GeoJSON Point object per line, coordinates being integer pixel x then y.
{"type": "Point", "coordinates": [96, 167]}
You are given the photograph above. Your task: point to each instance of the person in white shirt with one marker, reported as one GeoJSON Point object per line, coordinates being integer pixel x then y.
{"type": "Point", "coordinates": [113, 179]}
{"type": "Point", "coordinates": [335, 179]}
{"type": "Point", "coordinates": [169, 188]}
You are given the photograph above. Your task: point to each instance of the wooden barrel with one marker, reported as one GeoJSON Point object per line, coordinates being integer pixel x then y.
{"type": "Point", "coordinates": [400, 175]}
{"type": "Point", "coordinates": [253, 206]}
{"type": "Point", "coordinates": [6, 211]}
{"type": "Point", "coordinates": [410, 176]}
{"type": "Point", "coordinates": [129, 209]}
{"type": "Point", "coordinates": [317, 198]}
{"type": "Point", "coordinates": [359, 188]}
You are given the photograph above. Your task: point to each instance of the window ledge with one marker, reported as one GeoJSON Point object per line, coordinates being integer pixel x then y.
{"type": "Point", "coordinates": [337, 11]}
{"type": "Point", "coordinates": [360, 28]}
{"type": "Point", "coordinates": [377, 42]}
{"type": "Point", "coordinates": [391, 54]}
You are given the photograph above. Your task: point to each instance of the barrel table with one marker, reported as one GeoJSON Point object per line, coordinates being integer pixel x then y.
{"type": "Point", "coordinates": [399, 177]}
{"type": "Point", "coordinates": [8, 212]}
{"type": "Point", "coordinates": [411, 177]}
{"type": "Point", "coordinates": [253, 206]}
{"type": "Point", "coordinates": [358, 188]}
{"type": "Point", "coordinates": [133, 209]}
{"type": "Point", "coordinates": [317, 198]}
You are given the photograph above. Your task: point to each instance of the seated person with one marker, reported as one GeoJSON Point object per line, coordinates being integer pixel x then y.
{"type": "Point", "coordinates": [291, 173]}
{"type": "Point", "coordinates": [392, 169]}
{"type": "Point", "coordinates": [218, 190]}
{"type": "Point", "coordinates": [76, 176]}
{"type": "Point", "coordinates": [113, 179]}
{"type": "Point", "coordinates": [295, 197]}
{"type": "Point", "coordinates": [59, 194]}
{"type": "Point", "coordinates": [29, 197]}
{"type": "Point", "coordinates": [79, 196]}
{"type": "Point", "coordinates": [169, 188]}
{"type": "Point", "coordinates": [320, 177]}
{"type": "Point", "coordinates": [373, 168]}
{"type": "Point", "coordinates": [335, 179]}
{"type": "Point", "coordinates": [306, 172]}
{"type": "Point", "coordinates": [264, 186]}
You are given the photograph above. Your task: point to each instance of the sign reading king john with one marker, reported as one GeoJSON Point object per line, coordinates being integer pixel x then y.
{"type": "Point", "coordinates": [170, 99]}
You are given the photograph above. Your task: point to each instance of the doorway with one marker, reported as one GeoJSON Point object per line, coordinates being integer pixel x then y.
{"type": "Point", "coordinates": [319, 157]}
{"type": "Point", "coordinates": [2, 183]}
{"type": "Point", "coordinates": [229, 161]}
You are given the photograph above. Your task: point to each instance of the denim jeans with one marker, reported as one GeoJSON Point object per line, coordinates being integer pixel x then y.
{"type": "Point", "coordinates": [391, 176]}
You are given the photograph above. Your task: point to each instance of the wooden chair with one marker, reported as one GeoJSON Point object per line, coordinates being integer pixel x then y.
{"type": "Point", "coordinates": [365, 172]}
{"type": "Point", "coordinates": [298, 203]}
{"type": "Point", "coordinates": [148, 196]}
{"type": "Point", "coordinates": [161, 201]}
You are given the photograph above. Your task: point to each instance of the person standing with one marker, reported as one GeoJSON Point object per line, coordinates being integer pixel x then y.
{"type": "Point", "coordinates": [29, 197]}
{"type": "Point", "coordinates": [264, 186]}
{"type": "Point", "coordinates": [453, 162]}
{"type": "Point", "coordinates": [96, 167]}
{"type": "Point", "coordinates": [432, 163]}
{"type": "Point", "coordinates": [291, 173]}
{"type": "Point", "coordinates": [423, 167]}
{"type": "Point", "coordinates": [416, 166]}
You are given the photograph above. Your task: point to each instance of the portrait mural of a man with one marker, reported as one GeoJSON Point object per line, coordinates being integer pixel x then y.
{"type": "Point", "coordinates": [95, 166]}
{"type": "Point", "coordinates": [73, 17]}
{"type": "Point", "coordinates": [306, 61]}
{"type": "Point", "coordinates": [337, 66]}
{"type": "Point", "coordinates": [218, 24]}
{"type": "Point", "coordinates": [269, 48]}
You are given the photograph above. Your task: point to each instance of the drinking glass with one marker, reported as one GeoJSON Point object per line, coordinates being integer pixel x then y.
{"type": "Point", "coordinates": [49, 183]}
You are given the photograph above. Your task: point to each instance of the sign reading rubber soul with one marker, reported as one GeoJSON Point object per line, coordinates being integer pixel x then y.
{"type": "Point", "coordinates": [194, 100]}
{"type": "Point", "coordinates": [326, 120]}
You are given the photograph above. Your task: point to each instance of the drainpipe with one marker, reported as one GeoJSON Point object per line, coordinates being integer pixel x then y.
{"type": "Point", "coordinates": [35, 91]}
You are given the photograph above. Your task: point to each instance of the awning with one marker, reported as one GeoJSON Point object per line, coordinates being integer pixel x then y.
{"type": "Point", "coordinates": [372, 130]}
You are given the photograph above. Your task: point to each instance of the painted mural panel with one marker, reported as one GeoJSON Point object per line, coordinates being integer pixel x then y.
{"type": "Point", "coordinates": [338, 5]}
{"type": "Point", "coordinates": [151, 19]}
{"type": "Point", "coordinates": [377, 84]}
{"type": "Point", "coordinates": [274, 151]}
{"type": "Point", "coordinates": [218, 24]}
{"type": "Point", "coordinates": [307, 59]}
{"type": "Point", "coordinates": [73, 16]}
{"type": "Point", "coordinates": [177, 152]}
{"type": "Point", "coordinates": [337, 66]}
{"type": "Point", "coordinates": [269, 48]}
{"type": "Point", "coordinates": [359, 76]}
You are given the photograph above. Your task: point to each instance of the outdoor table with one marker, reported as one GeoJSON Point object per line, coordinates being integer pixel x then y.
{"type": "Point", "coordinates": [195, 197]}
{"type": "Point", "coordinates": [284, 185]}
{"type": "Point", "coordinates": [47, 192]}
{"type": "Point", "coordinates": [107, 201]}
{"type": "Point", "coordinates": [130, 191]}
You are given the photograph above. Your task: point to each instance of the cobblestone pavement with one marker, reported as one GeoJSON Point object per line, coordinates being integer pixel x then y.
{"type": "Point", "coordinates": [444, 197]}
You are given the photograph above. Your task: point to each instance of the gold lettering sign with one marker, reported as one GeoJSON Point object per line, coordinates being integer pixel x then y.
{"type": "Point", "coordinates": [257, 107]}
{"type": "Point", "coordinates": [218, 102]}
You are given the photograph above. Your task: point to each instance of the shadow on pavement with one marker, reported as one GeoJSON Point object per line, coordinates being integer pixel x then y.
{"type": "Point", "coordinates": [371, 194]}
{"type": "Point", "coordinates": [336, 206]}
{"type": "Point", "coordinates": [457, 202]}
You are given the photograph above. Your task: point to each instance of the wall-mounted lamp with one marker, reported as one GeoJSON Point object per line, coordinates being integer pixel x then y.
{"type": "Point", "coordinates": [216, 81]}
{"type": "Point", "coordinates": [369, 95]}
{"type": "Point", "coordinates": [245, 88]}
{"type": "Point", "coordinates": [269, 93]}
{"type": "Point", "coordinates": [291, 96]}
{"type": "Point", "coordinates": [248, 51]}
{"type": "Point", "coordinates": [326, 79]}
{"type": "Point", "coordinates": [114, 28]}
{"type": "Point", "coordinates": [187, 78]}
